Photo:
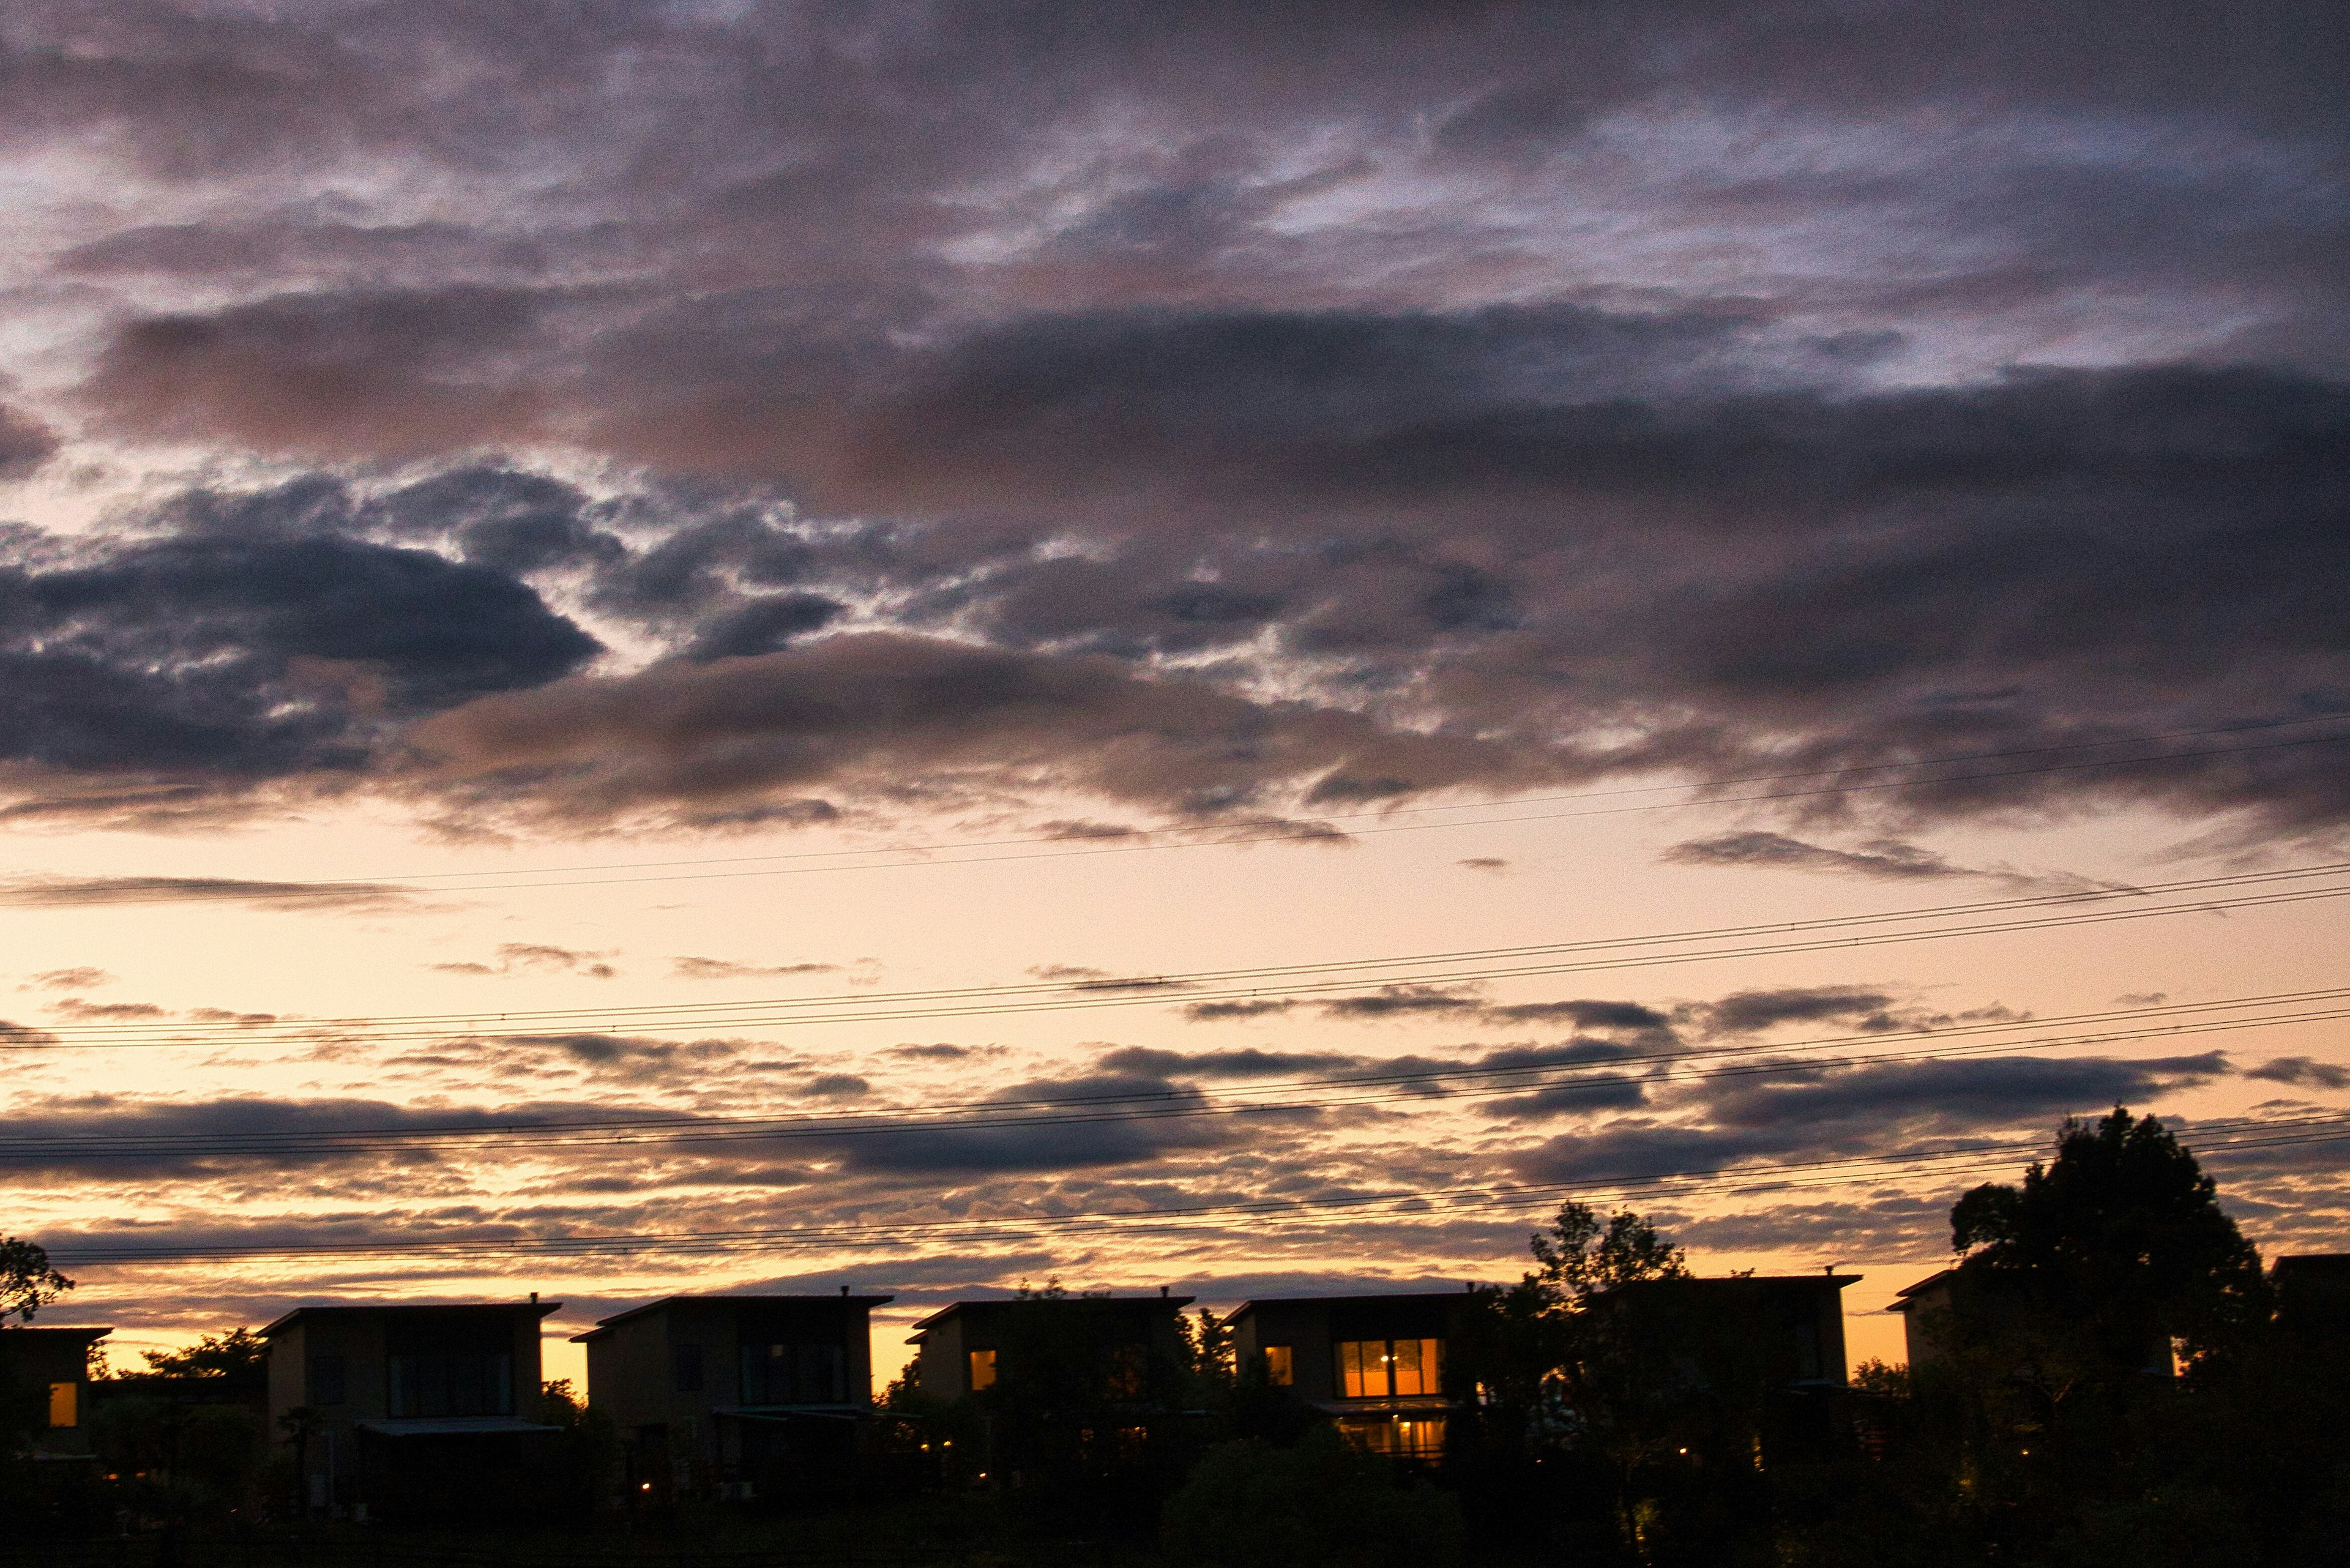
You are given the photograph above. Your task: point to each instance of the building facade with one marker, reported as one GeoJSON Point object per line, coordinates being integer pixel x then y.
{"type": "Point", "coordinates": [1378, 1366]}
{"type": "Point", "coordinates": [741, 1396]}
{"type": "Point", "coordinates": [421, 1411]}
{"type": "Point", "coordinates": [47, 1372]}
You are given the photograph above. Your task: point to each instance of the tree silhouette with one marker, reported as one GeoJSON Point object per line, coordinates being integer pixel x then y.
{"type": "Point", "coordinates": [2121, 1238]}
{"type": "Point", "coordinates": [28, 1283]}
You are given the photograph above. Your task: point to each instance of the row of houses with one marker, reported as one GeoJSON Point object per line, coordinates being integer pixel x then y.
{"type": "Point", "coordinates": [379, 1406]}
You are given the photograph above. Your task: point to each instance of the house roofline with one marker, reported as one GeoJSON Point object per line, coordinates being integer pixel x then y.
{"type": "Point", "coordinates": [951, 1308]}
{"type": "Point", "coordinates": [352, 1309]}
{"type": "Point", "coordinates": [1253, 1302]}
{"type": "Point", "coordinates": [605, 1325]}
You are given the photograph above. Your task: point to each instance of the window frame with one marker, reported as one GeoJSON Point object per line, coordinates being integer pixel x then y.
{"type": "Point", "coordinates": [1357, 1381]}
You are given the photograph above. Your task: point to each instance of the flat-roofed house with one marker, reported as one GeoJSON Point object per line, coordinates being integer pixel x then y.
{"type": "Point", "coordinates": [1378, 1366]}
{"type": "Point", "coordinates": [1747, 1361]}
{"type": "Point", "coordinates": [2313, 1295]}
{"type": "Point", "coordinates": [1992, 1307]}
{"type": "Point", "coordinates": [735, 1396]}
{"type": "Point", "coordinates": [1063, 1384]}
{"type": "Point", "coordinates": [411, 1410]}
{"type": "Point", "coordinates": [47, 1372]}
{"type": "Point", "coordinates": [968, 1347]}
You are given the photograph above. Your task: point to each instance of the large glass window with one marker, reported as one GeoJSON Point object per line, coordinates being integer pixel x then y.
{"type": "Point", "coordinates": [1130, 1372]}
{"type": "Point", "coordinates": [685, 1368]}
{"type": "Point", "coordinates": [328, 1384]}
{"type": "Point", "coordinates": [1280, 1365]}
{"type": "Point", "coordinates": [65, 1403]}
{"type": "Point", "coordinates": [794, 1375]}
{"type": "Point", "coordinates": [452, 1383]}
{"type": "Point", "coordinates": [1401, 1437]}
{"type": "Point", "coordinates": [983, 1370]}
{"type": "Point", "coordinates": [1391, 1368]}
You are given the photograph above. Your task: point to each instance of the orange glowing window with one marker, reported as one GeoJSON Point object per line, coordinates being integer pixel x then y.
{"type": "Point", "coordinates": [65, 1403]}
{"type": "Point", "coordinates": [983, 1370]}
{"type": "Point", "coordinates": [1391, 1368]}
{"type": "Point", "coordinates": [1398, 1438]}
{"type": "Point", "coordinates": [1280, 1366]}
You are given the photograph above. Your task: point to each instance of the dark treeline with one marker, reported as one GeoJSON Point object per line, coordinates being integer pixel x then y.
{"type": "Point", "coordinates": [2105, 1375]}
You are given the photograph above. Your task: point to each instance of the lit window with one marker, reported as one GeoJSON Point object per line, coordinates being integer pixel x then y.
{"type": "Point", "coordinates": [1401, 1439]}
{"type": "Point", "coordinates": [1280, 1369]}
{"type": "Point", "coordinates": [1385, 1368]}
{"type": "Point", "coordinates": [65, 1403]}
{"type": "Point", "coordinates": [983, 1370]}
{"type": "Point", "coordinates": [1129, 1369]}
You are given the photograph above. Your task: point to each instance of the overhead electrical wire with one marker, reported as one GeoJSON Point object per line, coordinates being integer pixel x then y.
{"type": "Point", "coordinates": [1286, 982]}
{"type": "Point", "coordinates": [1680, 1064]}
{"type": "Point", "coordinates": [2218, 1136]}
{"type": "Point", "coordinates": [1216, 835]}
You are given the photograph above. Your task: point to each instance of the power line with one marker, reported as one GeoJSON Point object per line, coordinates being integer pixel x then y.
{"type": "Point", "coordinates": [1289, 981]}
{"type": "Point", "coordinates": [2217, 1136]}
{"type": "Point", "coordinates": [1677, 1063]}
{"type": "Point", "coordinates": [298, 891]}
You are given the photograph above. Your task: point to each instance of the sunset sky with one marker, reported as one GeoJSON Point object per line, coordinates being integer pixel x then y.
{"type": "Point", "coordinates": [1353, 617]}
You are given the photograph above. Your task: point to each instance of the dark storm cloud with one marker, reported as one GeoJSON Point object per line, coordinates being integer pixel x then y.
{"type": "Point", "coordinates": [1051, 345]}
{"type": "Point", "coordinates": [698, 742]}
{"type": "Point", "coordinates": [1400, 1000]}
{"type": "Point", "coordinates": [1953, 1094]}
{"type": "Point", "coordinates": [60, 1138]}
{"type": "Point", "coordinates": [2304, 1071]}
{"type": "Point", "coordinates": [1601, 1092]}
{"type": "Point", "coordinates": [1243, 1064]}
{"type": "Point", "coordinates": [1883, 859]}
{"type": "Point", "coordinates": [1113, 1140]}
{"type": "Point", "coordinates": [242, 656]}
{"type": "Point", "coordinates": [1816, 1112]}
{"type": "Point", "coordinates": [1747, 1011]}
{"type": "Point", "coordinates": [25, 443]}
{"type": "Point", "coordinates": [1584, 1013]}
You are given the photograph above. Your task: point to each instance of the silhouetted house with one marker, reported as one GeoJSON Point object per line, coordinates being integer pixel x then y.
{"type": "Point", "coordinates": [737, 1397]}
{"type": "Point", "coordinates": [2313, 1295]}
{"type": "Point", "coordinates": [2001, 1314]}
{"type": "Point", "coordinates": [1375, 1365]}
{"type": "Point", "coordinates": [1751, 1362]}
{"type": "Point", "coordinates": [45, 1376]}
{"type": "Point", "coordinates": [1061, 1384]}
{"type": "Point", "coordinates": [411, 1411]}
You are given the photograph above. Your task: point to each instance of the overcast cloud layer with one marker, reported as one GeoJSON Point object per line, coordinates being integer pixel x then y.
{"type": "Point", "coordinates": [1208, 410]}
{"type": "Point", "coordinates": [553, 420]}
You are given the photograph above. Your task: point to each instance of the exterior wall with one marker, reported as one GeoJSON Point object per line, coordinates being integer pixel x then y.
{"type": "Point", "coordinates": [946, 1372]}
{"type": "Point", "coordinates": [946, 1340]}
{"type": "Point", "coordinates": [42, 1358]}
{"type": "Point", "coordinates": [304, 1344]}
{"type": "Point", "coordinates": [1313, 1328]}
{"type": "Point", "coordinates": [683, 1441]}
{"type": "Point", "coordinates": [1920, 1309]}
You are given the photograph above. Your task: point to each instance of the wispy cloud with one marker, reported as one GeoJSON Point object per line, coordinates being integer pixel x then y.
{"type": "Point", "coordinates": [54, 892]}
{"type": "Point", "coordinates": [536, 958]}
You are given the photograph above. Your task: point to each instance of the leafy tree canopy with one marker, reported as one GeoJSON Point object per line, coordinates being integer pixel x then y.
{"type": "Point", "coordinates": [2122, 1225]}
{"type": "Point", "coordinates": [213, 1356]}
{"type": "Point", "coordinates": [28, 1281]}
{"type": "Point", "coordinates": [1579, 1257]}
